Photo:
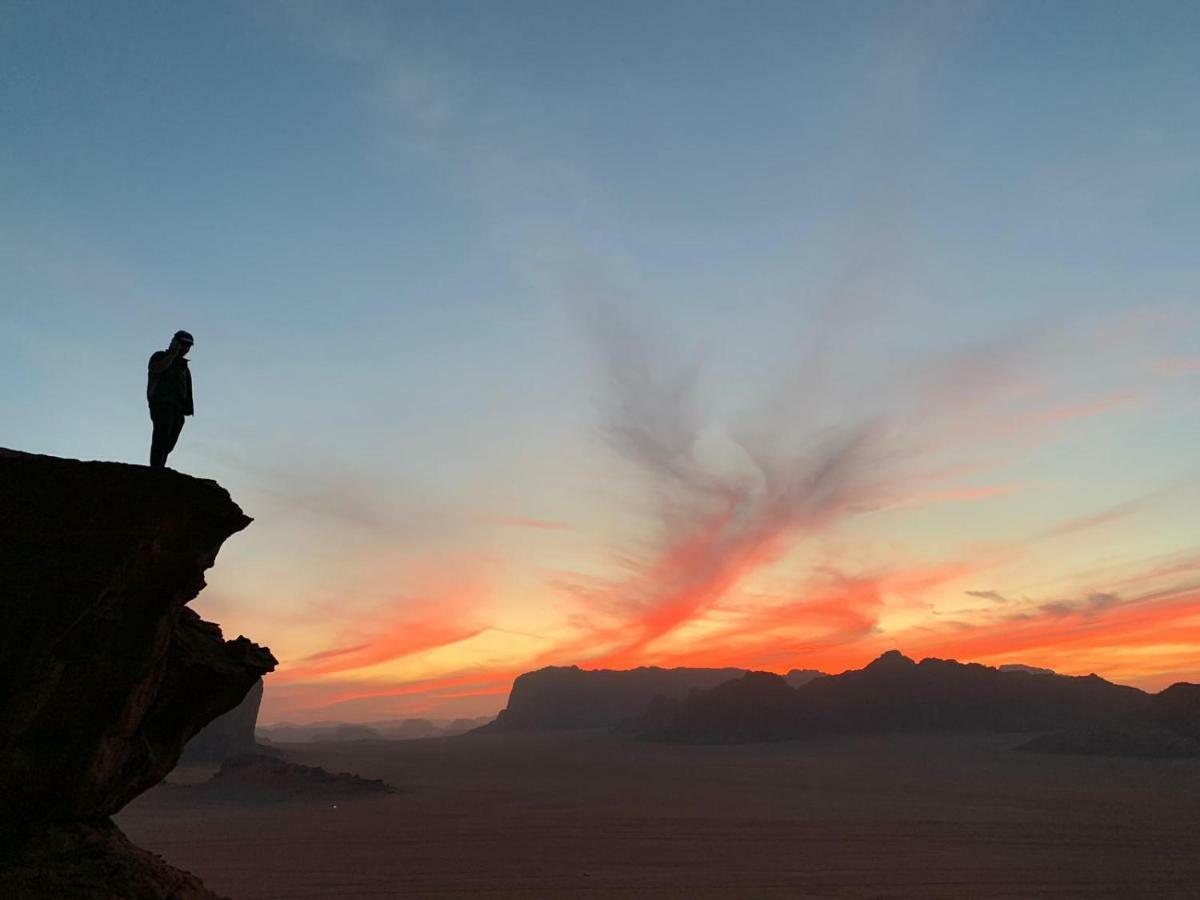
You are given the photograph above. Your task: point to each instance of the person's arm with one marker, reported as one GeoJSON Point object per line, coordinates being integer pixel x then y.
{"type": "Point", "coordinates": [162, 360]}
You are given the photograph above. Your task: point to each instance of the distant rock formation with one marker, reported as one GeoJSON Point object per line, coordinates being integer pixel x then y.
{"type": "Point", "coordinates": [389, 730]}
{"type": "Point", "coordinates": [258, 778]}
{"type": "Point", "coordinates": [104, 672]}
{"type": "Point", "coordinates": [1028, 670]}
{"type": "Point", "coordinates": [800, 677]}
{"type": "Point", "coordinates": [230, 734]}
{"type": "Point", "coordinates": [559, 697]}
{"type": "Point", "coordinates": [1168, 726]}
{"type": "Point", "coordinates": [893, 693]}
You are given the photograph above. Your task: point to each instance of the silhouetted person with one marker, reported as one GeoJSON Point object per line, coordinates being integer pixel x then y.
{"type": "Point", "coordinates": [169, 393]}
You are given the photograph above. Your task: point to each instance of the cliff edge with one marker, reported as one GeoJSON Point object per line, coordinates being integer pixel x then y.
{"type": "Point", "coordinates": [104, 672]}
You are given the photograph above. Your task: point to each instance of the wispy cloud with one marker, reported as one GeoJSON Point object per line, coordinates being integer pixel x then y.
{"type": "Point", "coordinates": [1178, 366]}
{"type": "Point", "coordinates": [994, 596]}
{"type": "Point", "coordinates": [526, 522]}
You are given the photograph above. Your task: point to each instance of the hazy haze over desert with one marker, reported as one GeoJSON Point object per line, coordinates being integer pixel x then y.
{"type": "Point", "coordinates": [586, 814]}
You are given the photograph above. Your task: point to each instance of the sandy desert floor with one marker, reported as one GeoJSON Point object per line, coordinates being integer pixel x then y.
{"type": "Point", "coordinates": [596, 815]}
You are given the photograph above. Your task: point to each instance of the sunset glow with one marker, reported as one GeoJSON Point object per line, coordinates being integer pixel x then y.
{"type": "Point", "coordinates": [523, 350]}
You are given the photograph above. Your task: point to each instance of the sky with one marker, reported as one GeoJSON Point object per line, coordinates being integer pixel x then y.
{"type": "Point", "coordinates": [763, 334]}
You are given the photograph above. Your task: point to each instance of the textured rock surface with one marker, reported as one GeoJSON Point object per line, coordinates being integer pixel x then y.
{"type": "Point", "coordinates": [104, 672]}
{"type": "Point", "coordinates": [93, 861]}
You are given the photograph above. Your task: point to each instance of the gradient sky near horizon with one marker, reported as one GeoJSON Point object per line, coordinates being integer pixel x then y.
{"type": "Point", "coordinates": [761, 334]}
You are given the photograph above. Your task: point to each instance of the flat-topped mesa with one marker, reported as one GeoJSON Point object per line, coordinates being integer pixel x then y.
{"type": "Point", "coordinates": [565, 697]}
{"type": "Point", "coordinates": [104, 672]}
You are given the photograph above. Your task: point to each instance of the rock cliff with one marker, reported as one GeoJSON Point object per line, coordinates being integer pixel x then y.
{"type": "Point", "coordinates": [564, 697]}
{"type": "Point", "coordinates": [230, 734]}
{"type": "Point", "coordinates": [104, 672]}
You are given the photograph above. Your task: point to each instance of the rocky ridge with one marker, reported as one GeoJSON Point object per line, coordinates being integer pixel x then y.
{"type": "Point", "coordinates": [897, 694]}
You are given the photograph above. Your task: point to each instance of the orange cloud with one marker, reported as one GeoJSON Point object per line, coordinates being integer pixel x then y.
{"type": "Point", "coordinates": [400, 639]}
{"type": "Point", "coordinates": [441, 615]}
{"type": "Point", "coordinates": [681, 597]}
{"type": "Point", "coordinates": [1099, 634]}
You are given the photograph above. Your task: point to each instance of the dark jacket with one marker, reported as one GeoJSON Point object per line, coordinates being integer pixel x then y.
{"type": "Point", "coordinates": [172, 387]}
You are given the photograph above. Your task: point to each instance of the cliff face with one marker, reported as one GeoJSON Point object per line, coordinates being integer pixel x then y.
{"type": "Point", "coordinates": [560, 697]}
{"type": "Point", "coordinates": [231, 734]}
{"type": "Point", "coordinates": [104, 671]}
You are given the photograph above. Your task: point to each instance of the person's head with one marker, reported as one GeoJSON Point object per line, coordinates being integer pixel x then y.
{"type": "Point", "coordinates": [182, 341]}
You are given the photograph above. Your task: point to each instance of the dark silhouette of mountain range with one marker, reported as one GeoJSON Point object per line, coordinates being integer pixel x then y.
{"type": "Point", "coordinates": [1028, 670]}
{"type": "Point", "coordinates": [388, 730]}
{"type": "Point", "coordinates": [894, 694]}
{"type": "Point", "coordinates": [800, 677]}
{"type": "Point", "coordinates": [1167, 726]}
{"type": "Point", "coordinates": [104, 671]}
{"type": "Point", "coordinates": [564, 697]}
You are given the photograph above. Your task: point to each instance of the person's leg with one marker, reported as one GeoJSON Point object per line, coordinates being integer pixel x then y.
{"type": "Point", "coordinates": [159, 438]}
{"type": "Point", "coordinates": [174, 427]}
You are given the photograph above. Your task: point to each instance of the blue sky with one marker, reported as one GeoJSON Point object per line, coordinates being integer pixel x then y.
{"type": "Point", "coordinates": [398, 230]}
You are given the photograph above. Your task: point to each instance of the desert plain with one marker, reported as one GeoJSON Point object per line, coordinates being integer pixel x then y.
{"type": "Point", "coordinates": [594, 814]}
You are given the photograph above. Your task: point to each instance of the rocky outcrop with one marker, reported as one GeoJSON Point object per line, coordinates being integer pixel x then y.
{"type": "Point", "coordinates": [230, 734]}
{"type": "Point", "coordinates": [559, 697]}
{"type": "Point", "coordinates": [93, 861]}
{"type": "Point", "coordinates": [263, 779]}
{"type": "Point", "coordinates": [1167, 727]}
{"type": "Point", "coordinates": [893, 693]}
{"type": "Point", "coordinates": [104, 672]}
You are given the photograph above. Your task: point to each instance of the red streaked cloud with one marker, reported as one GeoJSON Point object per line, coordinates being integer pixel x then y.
{"type": "Point", "coordinates": [402, 639]}
{"type": "Point", "coordinates": [444, 613]}
{"type": "Point", "coordinates": [338, 651]}
{"type": "Point", "coordinates": [730, 508]}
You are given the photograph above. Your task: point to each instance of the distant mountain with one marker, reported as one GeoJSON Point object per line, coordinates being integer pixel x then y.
{"type": "Point", "coordinates": [393, 730]}
{"type": "Point", "coordinates": [1168, 725]}
{"type": "Point", "coordinates": [563, 697]}
{"type": "Point", "coordinates": [288, 733]}
{"type": "Point", "coordinates": [893, 693]}
{"type": "Point", "coordinates": [1028, 670]}
{"type": "Point", "coordinates": [800, 677]}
